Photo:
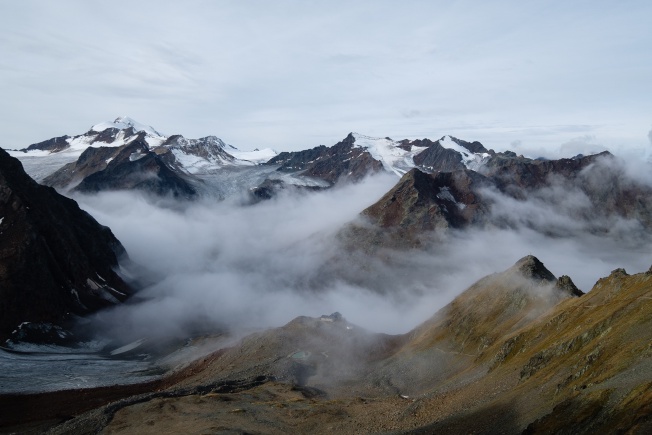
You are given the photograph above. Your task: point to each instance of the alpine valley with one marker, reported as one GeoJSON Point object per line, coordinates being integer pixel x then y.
{"type": "Point", "coordinates": [152, 283]}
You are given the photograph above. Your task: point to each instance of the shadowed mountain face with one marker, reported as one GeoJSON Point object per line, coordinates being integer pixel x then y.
{"type": "Point", "coordinates": [129, 167]}
{"type": "Point", "coordinates": [53, 145]}
{"type": "Point", "coordinates": [55, 259]}
{"type": "Point", "coordinates": [136, 167]}
{"type": "Point", "coordinates": [518, 352]}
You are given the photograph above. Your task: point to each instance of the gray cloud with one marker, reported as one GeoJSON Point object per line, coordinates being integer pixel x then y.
{"type": "Point", "coordinates": [581, 145]}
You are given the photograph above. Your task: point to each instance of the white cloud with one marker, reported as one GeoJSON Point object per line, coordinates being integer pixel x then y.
{"type": "Point", "coordinates": [217, 264]}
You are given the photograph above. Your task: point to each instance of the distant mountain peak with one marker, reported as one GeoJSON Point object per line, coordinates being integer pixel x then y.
{"type": "Point", "coordinates": [124, 122]}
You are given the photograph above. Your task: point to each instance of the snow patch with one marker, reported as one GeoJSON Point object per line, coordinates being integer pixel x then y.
{"type": "Point", "coordinates": [136, 156]}
{"type": "Point", "coordinates": [115, 291]}
{"type": "Point", "coordinates": [256, 156]}
{"type": "Point", "coordinates": [471, 160]}
{"type": "Point", "coordinates": [445, 194]}
{"type": "Point", "coordinates": [127, 347]}
{"type": "Point", "coordinates": [190, 162]}
{"type": "Point", "coordinates": [298, 180]}
{"type": "Point", "coordinates": [32, 153]}
{"type": "Point", "coordinates": [387, 151]}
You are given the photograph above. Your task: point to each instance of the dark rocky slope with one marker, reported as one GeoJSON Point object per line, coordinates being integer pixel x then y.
{"type": "Point", "coordinates": [426, 202]}
{"type": "Point", "coordinates": [341, 161]}
{"type": "Point", "coordinates": [54, 145]}
{"type": "Point", "coordinates": [129, 167]}
{"type": "Point", "coordinates": [55, 259]}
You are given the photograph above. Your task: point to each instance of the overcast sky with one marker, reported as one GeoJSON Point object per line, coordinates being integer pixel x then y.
{"type": "Point", "coordinates": [535, 76]}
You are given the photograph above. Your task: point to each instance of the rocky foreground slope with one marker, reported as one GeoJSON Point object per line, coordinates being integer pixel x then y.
{"type": "Point", "coordinates": [518, 352]}
{"type": "Point", "coordinates": [55, 259]}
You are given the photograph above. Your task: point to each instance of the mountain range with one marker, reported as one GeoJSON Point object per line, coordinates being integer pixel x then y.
{"type": "Point", "coordinates": [520, 351]}
{"type": "Point", "coordinates": [464, 178]}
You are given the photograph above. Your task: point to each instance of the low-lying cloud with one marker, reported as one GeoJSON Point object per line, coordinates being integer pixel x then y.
{"type": "Point", "coordinates": [213, 265]}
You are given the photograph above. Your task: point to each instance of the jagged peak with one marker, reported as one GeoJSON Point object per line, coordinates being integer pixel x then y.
{"type": "Point", "coordinates": [619, 272]}
{"type": "Point", "coordinates": [531, 267]}
{"type": "Point", "coordinates": [566, 285]}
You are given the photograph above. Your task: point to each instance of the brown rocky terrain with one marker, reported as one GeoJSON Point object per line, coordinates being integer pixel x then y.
{"type": "Point", "coordinates": [422, 203]}
{"type": "Point", "coordinates": [55, 259]}
{"type": "Point", "coordinates": [518, 352]}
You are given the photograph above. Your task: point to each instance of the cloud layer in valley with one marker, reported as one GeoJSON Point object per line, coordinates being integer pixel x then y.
{"type": "Point", "coordinates": [223, 264]}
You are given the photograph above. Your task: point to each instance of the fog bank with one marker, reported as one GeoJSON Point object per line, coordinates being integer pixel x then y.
{"type": "Point", "coordinates": [221, 264]}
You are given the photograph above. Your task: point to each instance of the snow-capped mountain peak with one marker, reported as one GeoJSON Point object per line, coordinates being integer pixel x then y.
{"type": "Point", "coordinates": [388, 152]}
{"type": "Point", "coordinates": [124, 122]}
{"type": "Point", "coordinates": [192, 156]}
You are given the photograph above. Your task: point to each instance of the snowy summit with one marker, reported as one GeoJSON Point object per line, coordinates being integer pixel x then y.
{"type": "Point", "coordinates": [125, 122]}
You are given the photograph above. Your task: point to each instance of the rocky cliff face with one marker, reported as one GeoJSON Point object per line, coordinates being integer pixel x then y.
{"type": "Point", "coordinates": [419, 207]}
{"type": "Point", "coordinates": [55, 259]}
{"type": "Point", "coordinates": [426, 202]}
{"type": "Point", "coordinates": [341, 161]}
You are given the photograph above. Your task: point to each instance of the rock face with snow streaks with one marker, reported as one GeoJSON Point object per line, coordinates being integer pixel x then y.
{"type": "Point", "coordinates": [341, 161]}
{"type": "Point", "coordinates": [450, 154]}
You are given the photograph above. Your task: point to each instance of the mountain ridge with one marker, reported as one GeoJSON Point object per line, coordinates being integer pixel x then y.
{"type": "Point", "coordinates": [56, 259]}
{"type": "Point", "coordinates": [539, 373]}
